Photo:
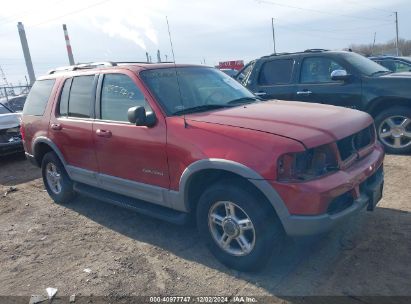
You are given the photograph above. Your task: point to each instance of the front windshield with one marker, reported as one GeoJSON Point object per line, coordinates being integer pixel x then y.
{"type": "Point", "coordinates": [194, 88]}
{"type": "Point", "coordinates": [364, 65]}
{"type": "Point", "coordinates": [3, 109]}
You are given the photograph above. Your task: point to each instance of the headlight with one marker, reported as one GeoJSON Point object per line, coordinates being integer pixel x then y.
{"type": "Point", "coordinates": [307, 165]}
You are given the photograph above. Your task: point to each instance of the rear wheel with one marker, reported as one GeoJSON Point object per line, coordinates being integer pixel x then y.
{"type": "Point", "coordinates": [394, 129]}
{"type": "Point", "coordinates": [56, 180]}
{"type": "Point", "coordinates": [239, 226]}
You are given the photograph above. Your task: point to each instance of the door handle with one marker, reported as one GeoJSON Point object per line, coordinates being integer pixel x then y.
{"type": "Point", "coordinates": [304, 93]}
{"type": "Point", "coordinates": [103, 133]}
{"type": "Point", "coordinates": [56, 127]}
{"type": "Point", "coordinates": [260, 93]}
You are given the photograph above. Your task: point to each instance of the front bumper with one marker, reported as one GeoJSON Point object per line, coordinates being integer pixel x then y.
{"type": "Point", "coordinates": [310, 204]}
{"type": "Point", "coordinates": [11, 147]}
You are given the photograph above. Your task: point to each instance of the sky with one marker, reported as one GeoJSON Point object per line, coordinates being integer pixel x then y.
{"type": "Point", "coordinates": [207, 31]}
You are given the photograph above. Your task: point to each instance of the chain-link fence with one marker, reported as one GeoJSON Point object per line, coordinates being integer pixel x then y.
{"type": "Point", "coordinates": [14, 97]}
{"type": "Point", "coordinates": [7, 92]}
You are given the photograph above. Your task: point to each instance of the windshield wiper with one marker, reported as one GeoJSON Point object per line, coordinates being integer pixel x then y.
{"type": "Point", "coordinates": [201, 108]}
{"type": "Point", "coordinates": [243, 100]}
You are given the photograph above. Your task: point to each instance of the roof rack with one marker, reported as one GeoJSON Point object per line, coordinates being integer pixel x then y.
{"type": "Point", "coordinates": [277, 54]}
{"type": "Point", "coordinates": [89, 65]}
{"type": "Point", "coordinates": [315, 50]}
{"type": "Point", "coordinates": [92, 65]}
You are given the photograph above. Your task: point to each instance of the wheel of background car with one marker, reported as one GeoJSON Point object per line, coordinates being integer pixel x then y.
{"type": "Point", "coordinates": [394, 129]}
{"type": "Point", "coordinates": [240, 228]}
{"type": "Point", "coordinates": [56, 180]}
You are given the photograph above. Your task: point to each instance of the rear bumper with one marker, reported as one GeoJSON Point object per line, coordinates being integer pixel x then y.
{"type": "Point", "coordinates": [315, 207]}
{"type": "Point", "coordinates": [11, 148]}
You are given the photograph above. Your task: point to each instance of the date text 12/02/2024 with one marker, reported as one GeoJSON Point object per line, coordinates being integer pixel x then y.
{"type": "Point", "coordinates": [205, 299]}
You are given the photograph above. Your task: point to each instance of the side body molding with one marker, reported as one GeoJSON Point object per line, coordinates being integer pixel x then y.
{"type": "Point", "coordinates": [177, 200]}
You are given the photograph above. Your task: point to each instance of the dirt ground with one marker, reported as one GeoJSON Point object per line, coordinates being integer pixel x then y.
{"type": "Point", "coordinates": [43, 244]}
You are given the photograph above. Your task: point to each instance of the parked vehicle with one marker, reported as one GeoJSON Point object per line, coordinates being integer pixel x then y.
{"type": "Point", "coordinates": [189, 142]}
{"type": "Point", "coordinates": [10, 138]}
{"type": "Point", "coordinates": [394, 64]}
{"type": "Point", "coordinates": [230, 72]}
{"type": "Point", "coordinates": [15, 103]}
{"type": "Point", "coordinates": [338, 78]}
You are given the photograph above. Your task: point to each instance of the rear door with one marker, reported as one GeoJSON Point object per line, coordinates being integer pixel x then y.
{"type": "Point", "coordinates": [274, 79]}
{"type": "Point", "coordinates": [71, 127]}
{"type": "Point", "coordinates": [316, 85]}
{"type": "Point", "coordinates": [132, 159]}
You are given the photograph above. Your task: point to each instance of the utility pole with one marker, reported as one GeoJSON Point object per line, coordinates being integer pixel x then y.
{"type": "Point", "coordinates": [148, 59]}
{"type": "Point", "coordinates": [272, 26]}
{"type": "Point", "coordinates": [26, 52]}
{"type": "Point", "coordinates": [68, 45]}
{"type": "Point", "coordinates": [373, 44]}
{"type": "Point", "coordinates": [396, 38]}
{"type": "Point", "coordinates": [158, 56]}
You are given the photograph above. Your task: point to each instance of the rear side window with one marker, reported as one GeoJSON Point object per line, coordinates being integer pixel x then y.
{"type": "Point", "coordinates": [81, 96]}
{"type": "Point", "coordinates": [277, 71]}
{"type": "Point", "coordinates": [38, 97]}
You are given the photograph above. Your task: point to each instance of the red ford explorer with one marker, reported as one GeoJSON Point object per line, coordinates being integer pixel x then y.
{"type": "Point", "coordinates": [182, 141]}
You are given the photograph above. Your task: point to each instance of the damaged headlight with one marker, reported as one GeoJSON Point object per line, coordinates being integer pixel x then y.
{"type": "Point", "coordinates": [10, 135]}
{"type": "Point", "coordinates": [307, 165]}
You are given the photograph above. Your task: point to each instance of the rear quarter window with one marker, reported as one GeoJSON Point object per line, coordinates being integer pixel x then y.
{"type": "Point", "coordinates": [38, 97]}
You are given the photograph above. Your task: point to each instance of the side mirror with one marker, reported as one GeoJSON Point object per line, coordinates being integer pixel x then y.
{"type": "Point", "coordinates": [340, 75]}
{"type": "Point", "coordinates": [139, 117]}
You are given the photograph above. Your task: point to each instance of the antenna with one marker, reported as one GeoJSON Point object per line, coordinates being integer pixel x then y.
{"type": "Point", "coordinates": [175, 70]}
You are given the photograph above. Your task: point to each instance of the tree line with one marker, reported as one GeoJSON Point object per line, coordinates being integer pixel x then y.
{"type": "Point", "coordinates": [387, 48]}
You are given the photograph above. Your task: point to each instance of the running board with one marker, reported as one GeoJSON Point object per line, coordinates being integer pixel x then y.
{"type": "Point", "coordinates": [149, 209]}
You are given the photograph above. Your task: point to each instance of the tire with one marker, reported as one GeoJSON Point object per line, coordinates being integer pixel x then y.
{"type": "Point", "coordinates": [394, 129]}
{"type": "Point", "coordinates": [63, 193]}
{"type": "Point", "coordinates": [266, 234]}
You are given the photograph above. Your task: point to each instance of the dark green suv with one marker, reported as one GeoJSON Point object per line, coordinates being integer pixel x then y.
{"type": "Point", "coordinates": [338, 78]}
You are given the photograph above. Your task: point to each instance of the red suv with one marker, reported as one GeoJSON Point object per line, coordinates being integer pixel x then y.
{"type": "Point", "coordinates": [181, 142]}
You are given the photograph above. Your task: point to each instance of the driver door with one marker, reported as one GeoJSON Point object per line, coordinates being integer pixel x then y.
{"type": "Point", "coordinates": [132, 159]}
{"type": "Point", "coordinates": [315, 84]}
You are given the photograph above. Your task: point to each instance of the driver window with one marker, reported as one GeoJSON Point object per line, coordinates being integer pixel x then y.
{"type": "Point", "coordinates": [318, 70]}
{"type": "Point", "coordinates": [118, 94]}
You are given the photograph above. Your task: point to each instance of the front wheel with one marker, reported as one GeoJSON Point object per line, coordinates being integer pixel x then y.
{"type": "Point", "coordinates": [394, 129]}
{"type": "Point", "coordinates": [238, 225]}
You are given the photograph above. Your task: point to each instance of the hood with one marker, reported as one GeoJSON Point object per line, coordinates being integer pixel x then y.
{"type": "Point", "coordinates": [397, 75]}
{"type": "Point", "coordinates": [309, 123]}
{"type": "Point", "coordinates": [8, 121]}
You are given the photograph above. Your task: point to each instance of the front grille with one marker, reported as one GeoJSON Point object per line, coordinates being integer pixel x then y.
{"type": "Point", "coordinates": [349, 145]}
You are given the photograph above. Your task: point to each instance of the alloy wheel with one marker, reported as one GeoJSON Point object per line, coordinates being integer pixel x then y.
{"type": "Point", "coordinates": [231, 228]}
{"type": "Point", "coordinates": [53, 177]}
{"type": "Point", "coordinates": [395, 132]}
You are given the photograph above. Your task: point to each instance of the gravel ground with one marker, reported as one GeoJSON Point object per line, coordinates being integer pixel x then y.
{"type": "Point", "coordinates": [43, 244]}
